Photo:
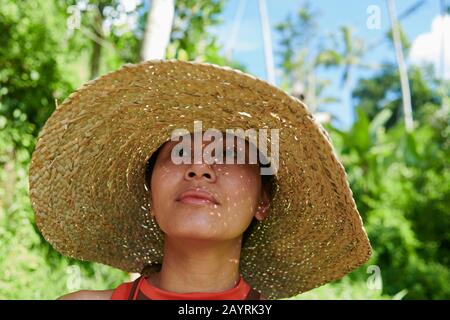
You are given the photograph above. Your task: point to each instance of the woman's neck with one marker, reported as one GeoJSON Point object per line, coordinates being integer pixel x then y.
{"type": "Point", "coordinates": [198, 265]}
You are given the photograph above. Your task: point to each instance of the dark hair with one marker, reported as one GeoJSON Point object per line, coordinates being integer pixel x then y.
{"type": "Point", "coordinates": [269, 185]}
{"type": "Point", "coordinates": [150, 164]}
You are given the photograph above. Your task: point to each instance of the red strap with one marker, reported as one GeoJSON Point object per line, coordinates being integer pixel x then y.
{"type": "Point", "coordinates": [135, 289]}
{"type": "Point", "coordinates": [122, 291]}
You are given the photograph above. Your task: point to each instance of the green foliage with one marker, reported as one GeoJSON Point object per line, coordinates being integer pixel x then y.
{"type": "Point", "coordinates": [345, 289]}
{"type": "Point", "coordinates": [31, 77]}
{"type": "Point", "coordinates": [190, 39]}
{"type": "Point", "coordinates": [30, 268]}
{"type": "Point", "coordinates": [296, 31]}
{"type": "Point", "coordinates": [400, 183]}
{"type": "Point", "coordinates": [104, 36]}
{"type": "Point", "coordinates": [305, 52]}
{"type": "Point", "coordinates": [382, 91]}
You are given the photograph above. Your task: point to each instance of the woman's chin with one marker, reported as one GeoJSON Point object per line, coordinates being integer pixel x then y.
{"type": "Point", "coordinates": [196, 231]}
{"type": "Point", "coordinates": [197, 236]}
{"type": "Point", "coordinates": [197, 223]}
{"type": "Point", "coordinates": [197, 215]}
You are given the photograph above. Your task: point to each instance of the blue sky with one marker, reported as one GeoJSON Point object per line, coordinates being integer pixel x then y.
{"type": "Point", "coordinates": [248, 48]}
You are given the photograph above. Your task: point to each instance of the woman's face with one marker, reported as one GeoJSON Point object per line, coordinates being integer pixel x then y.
{"type": "Point", "coordinates": [236, 189]}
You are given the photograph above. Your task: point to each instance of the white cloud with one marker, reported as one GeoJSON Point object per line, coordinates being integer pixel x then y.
{"type": "Point", "coordinates": [426, 47]}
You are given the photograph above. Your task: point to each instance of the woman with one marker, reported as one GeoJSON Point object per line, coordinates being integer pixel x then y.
{"type": "Point", "coordinates": [196, 230]}
{"type": "Point", "coordinates": [203, 211]}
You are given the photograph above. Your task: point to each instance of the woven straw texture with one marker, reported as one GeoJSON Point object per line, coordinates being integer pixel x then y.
{"type": "Point", "coordinates": [87, 187]}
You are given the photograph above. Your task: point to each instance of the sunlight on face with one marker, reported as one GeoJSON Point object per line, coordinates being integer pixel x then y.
{"type": "Point", "coordinates": [236, 188]}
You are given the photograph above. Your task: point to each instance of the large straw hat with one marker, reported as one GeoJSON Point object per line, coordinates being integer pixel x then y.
{"type": "Point", "coordinates": [87, 174]}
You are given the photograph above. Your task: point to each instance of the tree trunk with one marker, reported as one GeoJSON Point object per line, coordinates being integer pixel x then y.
{"type": "Point", "coordinates": [445, 99]}
{"type": "Point", "coordinates": [404, 83]}
{"type": "Point", "coordinates": [158, 29]}
{"type": "Point", "coordinates": [270, 72]}
{"type": "Point", "coordinates": [229, 46]}
{"type": "Point", "coordinates": [97, 28]}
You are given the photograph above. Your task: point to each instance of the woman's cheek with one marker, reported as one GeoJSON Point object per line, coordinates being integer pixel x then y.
{"type": "Point", "coordinates": [244, 182]}
{"type": "Point", "coordinates": [242, 193]}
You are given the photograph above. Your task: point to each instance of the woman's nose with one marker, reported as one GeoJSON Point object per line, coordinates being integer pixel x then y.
{"type": "Point", "coordinates": [200, 171]}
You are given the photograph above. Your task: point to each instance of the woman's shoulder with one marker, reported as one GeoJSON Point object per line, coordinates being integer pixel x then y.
{"type": "Point", "coordinates": [120, 293]}
{"type": "Point", "coordinates": [88, 295]}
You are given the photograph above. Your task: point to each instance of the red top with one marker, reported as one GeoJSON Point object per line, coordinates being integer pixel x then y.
{"type": "Point", "coordinates": [142, 289]}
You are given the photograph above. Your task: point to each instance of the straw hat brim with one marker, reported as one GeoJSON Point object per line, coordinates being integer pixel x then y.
{"type": "Point", "coordinates": [87, 187]}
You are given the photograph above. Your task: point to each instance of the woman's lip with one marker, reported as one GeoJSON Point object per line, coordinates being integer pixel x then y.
{"type": "Point", "coordinates": [195, 200]}
{"type": "Point", "coordinates": [196, 196]}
